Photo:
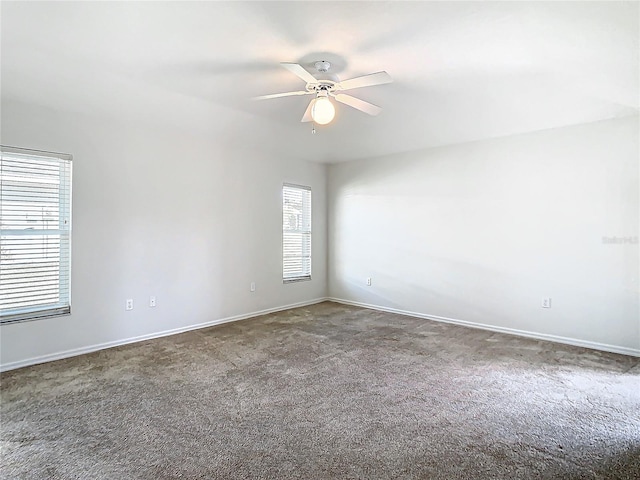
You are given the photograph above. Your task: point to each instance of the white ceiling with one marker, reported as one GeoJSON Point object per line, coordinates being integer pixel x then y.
{"type": "Point", "coordinates": [462, 71]}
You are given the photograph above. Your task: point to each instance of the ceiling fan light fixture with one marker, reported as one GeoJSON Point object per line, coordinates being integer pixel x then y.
{"type": "Point", "coordinates": [323, 111]}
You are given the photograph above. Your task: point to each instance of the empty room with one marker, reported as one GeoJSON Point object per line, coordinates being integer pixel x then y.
{"type": "Point", "coordinates": [318, 240]}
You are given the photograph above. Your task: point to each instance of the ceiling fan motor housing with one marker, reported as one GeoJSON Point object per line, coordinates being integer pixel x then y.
{"type": "Point", "coordinates": [321, 109]}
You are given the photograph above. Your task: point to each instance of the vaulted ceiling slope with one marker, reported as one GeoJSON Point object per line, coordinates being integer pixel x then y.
{"type": "Point", "coordinates": [462, 71]}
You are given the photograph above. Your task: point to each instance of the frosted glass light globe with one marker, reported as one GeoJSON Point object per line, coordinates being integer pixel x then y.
{"type": "Point", "coordinates": [323, 111]}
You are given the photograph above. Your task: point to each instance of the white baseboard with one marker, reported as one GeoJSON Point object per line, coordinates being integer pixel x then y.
{"type": "Point", "coordinates": [511, 331]}
{"type": "Point", "coordinates": [101, 346]}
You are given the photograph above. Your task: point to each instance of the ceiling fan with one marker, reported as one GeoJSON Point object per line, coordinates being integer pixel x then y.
{"type": "Point", "coordinates": [321, 109]}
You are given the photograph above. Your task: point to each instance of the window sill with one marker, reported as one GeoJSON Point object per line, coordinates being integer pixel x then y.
{"type": "Point", "coordinates": [10, 320]}
{"type": "Point", "coordinates": [296, 279]}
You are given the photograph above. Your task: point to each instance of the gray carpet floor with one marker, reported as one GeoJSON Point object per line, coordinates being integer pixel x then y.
{"type": "Point", "coordinates": [326, 391]}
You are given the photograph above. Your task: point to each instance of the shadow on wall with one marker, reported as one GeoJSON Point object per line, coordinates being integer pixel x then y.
{"type": "Point", "coordinates": [483, 232]}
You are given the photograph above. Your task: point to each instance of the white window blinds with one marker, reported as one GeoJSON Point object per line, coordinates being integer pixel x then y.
{"type": "Point", "coordinates": [296, 233]}
{"type": "Point", "coordinates": [35, 234]}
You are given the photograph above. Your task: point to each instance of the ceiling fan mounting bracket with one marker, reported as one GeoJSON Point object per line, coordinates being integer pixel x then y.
{"type": "Point", "coordinates": [322, 66]}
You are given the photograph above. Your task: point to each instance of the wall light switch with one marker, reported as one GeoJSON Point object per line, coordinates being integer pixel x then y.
{"type": "Point", "coordinates": [546, 302]}
{"type": "Point", "coordinates": [129, 304]}
{"type": "Point", "coordinates": [253, 286]}
{"type": "Point", "coordinates": [152, 301]}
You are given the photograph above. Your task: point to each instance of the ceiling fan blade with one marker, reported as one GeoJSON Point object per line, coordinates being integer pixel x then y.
{"type": "Point", "coordinates": [307, 114]}
{"type": "Point", "coordinates": [378, 78]}
{"type": "Point", "coordinates": [299, 70]}
{"type": "Point", "coordinates": [358, 104]}
{"type": "Point", "coordinates": [286, 94]}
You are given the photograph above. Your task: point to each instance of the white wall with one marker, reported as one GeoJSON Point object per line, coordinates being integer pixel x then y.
{"type": "Point", "coordinates": [189, 219]}
{"type": "Point", "coordinates": [477, 232]}
{"type": "Point", "coordinates": [481, 232]}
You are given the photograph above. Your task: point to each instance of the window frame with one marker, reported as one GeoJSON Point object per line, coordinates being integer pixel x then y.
{"type": "Point", "coordinates": [303, 277]}
{"type": "Point", "coordinates": [47, 310]}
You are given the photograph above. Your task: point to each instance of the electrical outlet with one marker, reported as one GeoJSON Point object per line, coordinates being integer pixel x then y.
{"type": "Point", "coordinates": [546, 302]}
{"type": "Point", "coordinates": [368, 281]}
{"type": "Point", "coordinates": [129, 304]}
{"type": "Point", "coordinates": [152, 301]}
{"type": "Point", "coordinates": [253, 286]}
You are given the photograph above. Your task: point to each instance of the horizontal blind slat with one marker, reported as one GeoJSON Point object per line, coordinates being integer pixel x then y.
{"type": "Point", "coordinates": [296, 232]}
{"type": "Point", "coordinates": [35, 205]}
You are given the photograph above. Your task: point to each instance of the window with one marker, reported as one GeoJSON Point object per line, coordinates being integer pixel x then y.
{"type": "Point", "coordinates": [35, 234]}
{"type": "Point", "coordinates": [296, 233]}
